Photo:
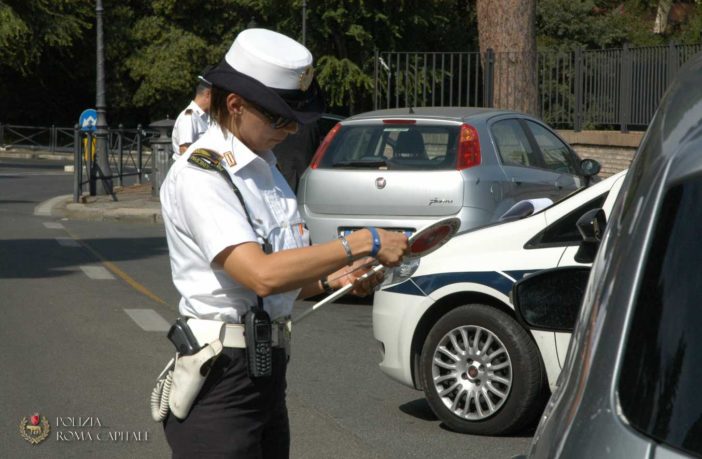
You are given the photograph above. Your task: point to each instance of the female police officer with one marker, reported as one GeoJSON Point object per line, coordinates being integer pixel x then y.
{"type": "Point", "coordinates": [229, 251]}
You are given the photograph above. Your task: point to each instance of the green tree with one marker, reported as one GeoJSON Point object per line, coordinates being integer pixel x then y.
{"type": "Point", "coordinates": [166, 44]}
{"type": "Point", "coordinates": [30, 29]}
{"type": "Point", "coordinates": [173, 40]}
{"type": "Point", "coordinates": [41, 54]}
{"type": "Point", "coordinates": [565, 25]}
{"type": "Point", "coordinates": [344, 35]}
{"type": "Point", "coordinates": [596, 24]}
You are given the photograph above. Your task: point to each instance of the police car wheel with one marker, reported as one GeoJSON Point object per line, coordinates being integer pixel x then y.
{"type": "Point", "coordinates": [481, 372]}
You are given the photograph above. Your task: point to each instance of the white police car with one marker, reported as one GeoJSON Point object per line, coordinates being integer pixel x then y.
{"type": "Point", "coordinates": [450, 329]}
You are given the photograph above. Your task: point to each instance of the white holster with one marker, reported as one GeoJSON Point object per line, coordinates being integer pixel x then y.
{"type": "Point", "coordinates": [180, 382]}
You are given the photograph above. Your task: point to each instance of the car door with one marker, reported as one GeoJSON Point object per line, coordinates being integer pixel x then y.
{"type": "Point", "coordinates": [559, 160]}
{"type": "Point", "coordinates": [606, 202]}
{"type": "Point", "coordinates": [521, 162]}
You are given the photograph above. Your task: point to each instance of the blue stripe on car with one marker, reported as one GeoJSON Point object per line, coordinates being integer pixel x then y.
{"type": "Point", "coordinates": [425, 285]}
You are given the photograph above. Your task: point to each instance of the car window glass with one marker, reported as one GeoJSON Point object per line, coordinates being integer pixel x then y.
{"type": "Point", "coordinates": [564, 231]}
{"type": "Point", "coordinates": [557, 156]}
{"type": "Point", "coordinates": [662, 367]}
{"type": "Point", "coordinates": [512, 143]}
{"type": "Point", "coordinates": [357, 143]}
{"type": "Point", "coordinates": [394, 146]}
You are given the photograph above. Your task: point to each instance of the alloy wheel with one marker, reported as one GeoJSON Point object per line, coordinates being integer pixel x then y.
{"type": "Point", "coordinates": [472, 372]}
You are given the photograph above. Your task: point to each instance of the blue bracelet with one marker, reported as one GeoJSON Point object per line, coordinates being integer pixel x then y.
{"type": "Point", "coordinates": [376, 241]}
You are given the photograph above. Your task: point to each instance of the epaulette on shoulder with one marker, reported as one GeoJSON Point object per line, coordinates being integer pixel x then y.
{"type": "Point", "coordinates": [188, 111]}
{"type": "Point", "coordinates": [205, 159]}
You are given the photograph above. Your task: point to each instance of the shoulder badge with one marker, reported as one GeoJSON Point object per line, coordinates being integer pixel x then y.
{"type": "Point", "coordinates": [189, 111]}
{"type": "Point", "coordinates": [205, 159]}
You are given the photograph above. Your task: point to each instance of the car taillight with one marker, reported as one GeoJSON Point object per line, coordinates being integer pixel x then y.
{"type": "Point", "coordinates": [324, 145]}
{"type": "Point", "coordinates": [468, 148]}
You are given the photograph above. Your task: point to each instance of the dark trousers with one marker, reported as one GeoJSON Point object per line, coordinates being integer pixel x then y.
{"type": "Point", "coordinates": [235, 416]}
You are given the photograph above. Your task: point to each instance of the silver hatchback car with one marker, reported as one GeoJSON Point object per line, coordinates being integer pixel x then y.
{"type": "Point", "coordinates": [406, 168]}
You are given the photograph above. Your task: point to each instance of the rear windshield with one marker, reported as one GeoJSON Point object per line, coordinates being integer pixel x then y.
{"type": "Point", "coordinates": [659, 386]}
{"type": "Point", "coordinates": [393, 146]}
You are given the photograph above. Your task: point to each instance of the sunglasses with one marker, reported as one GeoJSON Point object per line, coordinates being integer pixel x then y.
{"type": "Point", "coordinates": [277, 121]}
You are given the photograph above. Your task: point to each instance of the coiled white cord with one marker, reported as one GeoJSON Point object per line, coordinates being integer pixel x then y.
{"type": "Point", "coordinates": [161, 393]}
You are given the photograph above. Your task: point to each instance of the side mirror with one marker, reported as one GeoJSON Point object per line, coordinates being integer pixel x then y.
{"type": "Point", "coordinates": [550, 299]}
{"type": "Point", "coordinates": [591, 226]}
{"type": "Point", "coordinates": [589, 168]}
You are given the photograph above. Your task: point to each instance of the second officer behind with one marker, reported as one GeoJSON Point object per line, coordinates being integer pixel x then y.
{"type": "Point", "coordinates": [192, 122]}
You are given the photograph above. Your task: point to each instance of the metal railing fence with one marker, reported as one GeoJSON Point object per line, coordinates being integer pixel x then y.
{"type": "Point", "coordinates": [613, 88]}
{"type": "Point", "coordinates": [130, 151]}
{"type": "Point", "coordinates": [127, 156]}
{"type": "Point", "coordinates": [51, 138]}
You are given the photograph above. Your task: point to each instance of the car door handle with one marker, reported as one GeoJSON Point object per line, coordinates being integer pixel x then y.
{"type": "Point", "coordinates": [516, 182]}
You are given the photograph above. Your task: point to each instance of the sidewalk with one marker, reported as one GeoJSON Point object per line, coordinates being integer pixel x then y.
{"type": "Point", "coordinates": [134, 204]}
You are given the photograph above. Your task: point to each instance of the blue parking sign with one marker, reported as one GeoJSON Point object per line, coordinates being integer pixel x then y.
{"type": "Point", "coordinates": [88, 120]}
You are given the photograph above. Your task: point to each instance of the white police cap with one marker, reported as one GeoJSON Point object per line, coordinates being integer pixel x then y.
{"type": "Point", "coordinates": [273, 71]}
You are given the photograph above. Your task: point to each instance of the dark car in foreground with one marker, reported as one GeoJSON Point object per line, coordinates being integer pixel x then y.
{"type": "Point", "coordinates": [406, 168]}
{"type": "Point", "coordinates": [630, 387]}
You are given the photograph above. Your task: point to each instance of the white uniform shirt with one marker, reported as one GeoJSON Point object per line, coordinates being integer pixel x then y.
{"type": "Point", "coordinates": [203, 216]}
{"type": "Point", "coordinates": [189, 127]}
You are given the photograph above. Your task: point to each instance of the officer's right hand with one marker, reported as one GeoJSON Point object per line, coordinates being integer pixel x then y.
{"type": "Point", "coordinates": [393, 247]}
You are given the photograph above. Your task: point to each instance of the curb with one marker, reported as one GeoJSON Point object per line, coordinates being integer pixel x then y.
{"type": "Point", "coordinates": [36, 155]}
{"type": "Point", "coordinates": [79, 211]}
{"type": "Point", "coordinates": [51, 206]}
{"type": "Point", "coordinates": [63, 206]}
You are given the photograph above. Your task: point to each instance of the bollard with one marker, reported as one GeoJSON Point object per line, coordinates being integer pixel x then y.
{"type": "Point", "coordinates": [139, 154]}
{"type": "Point", "coordinates": [77, 164]}
{"type": "Point", "coordinates": [120, 166]}
{"type": "Point", "coordinates": [90, 164]}
{"type": "Point", "coordinates": [161, 152]}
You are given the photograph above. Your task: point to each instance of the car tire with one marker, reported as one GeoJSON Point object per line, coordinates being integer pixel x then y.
{"type": "Point", "coordinates": [495, 388]}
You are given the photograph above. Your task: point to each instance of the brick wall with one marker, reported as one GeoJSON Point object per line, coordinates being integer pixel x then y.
{"type": "Point", "coordinates": [614, 150]}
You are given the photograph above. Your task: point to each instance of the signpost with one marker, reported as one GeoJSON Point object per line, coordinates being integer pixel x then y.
{"type": "Point", "coordinates": [88, 120]}
{"type": "Point", "coordinates": [88, 124]}
{"type": "Point", "coordinates": [103, 162]}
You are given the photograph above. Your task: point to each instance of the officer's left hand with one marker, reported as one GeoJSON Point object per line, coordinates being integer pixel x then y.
{"type": "Point", "coordinates": [353, 273]}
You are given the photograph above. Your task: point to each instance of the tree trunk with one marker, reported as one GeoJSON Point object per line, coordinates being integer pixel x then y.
{"type": "Point", "coordinates": [508, 27]}
{"type": "Point", "coordinates": [662, 12]}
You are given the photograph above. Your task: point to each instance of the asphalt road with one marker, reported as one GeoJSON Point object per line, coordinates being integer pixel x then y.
{"type": "Point", "coordinates": [84, 310]}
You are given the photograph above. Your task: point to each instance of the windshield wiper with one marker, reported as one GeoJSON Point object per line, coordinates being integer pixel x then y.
{"type": "Point", "coordinates": [361, 163]}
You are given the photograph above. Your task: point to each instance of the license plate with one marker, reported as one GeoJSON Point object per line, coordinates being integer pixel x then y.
{"type": "Point", "coordinates": [345, 231]}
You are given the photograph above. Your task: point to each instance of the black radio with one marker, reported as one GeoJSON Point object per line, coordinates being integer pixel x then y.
{"type": "Point", "coordinates": [259, 343]}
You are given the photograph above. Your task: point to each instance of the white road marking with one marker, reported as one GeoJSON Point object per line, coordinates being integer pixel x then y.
{"type": "Point", "coordinates": [96, 272]}
{"type": "Point", "coordinates": [67, 242]}
{"type": "Point", "coordinates": [148, 319]}
{"type": "Point", "coordinates": [53, 225]}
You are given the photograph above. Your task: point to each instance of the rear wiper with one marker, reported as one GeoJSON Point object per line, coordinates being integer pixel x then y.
{"type": "Point", "coordinates": [361, 163]}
